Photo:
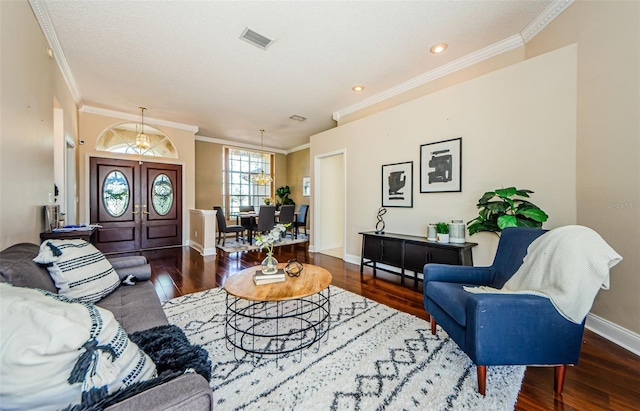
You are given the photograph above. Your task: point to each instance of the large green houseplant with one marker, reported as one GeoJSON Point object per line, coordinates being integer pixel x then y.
{"type": "Point", "coordinates": [283, 194]}
{"type": "Point", "coordinates": [506, 207]}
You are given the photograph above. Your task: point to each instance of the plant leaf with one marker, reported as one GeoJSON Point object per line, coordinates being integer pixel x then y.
{"type": "Point", "coordinates": [525, 222]}
{"type": "Point", "coordinates": [524, 193]}
{"type": "Point", "coordinates": [486, 197]}
{"type": "Point", "coordinates": [506, 192]}
{"type": "Point", "coordinates": [505, 221]}
{"type": "Point", "coordinates": [534, 213]}
{"type": "Point", "coordinates": [497, 206]}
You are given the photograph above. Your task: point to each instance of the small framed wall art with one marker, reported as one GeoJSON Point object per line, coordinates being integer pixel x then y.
{"type": "Point", "coordinates": [306, 186]}
{"type": "Point", "coordinates": [397, 185]}
{"type": "Point", "coordinates": [441, 166]}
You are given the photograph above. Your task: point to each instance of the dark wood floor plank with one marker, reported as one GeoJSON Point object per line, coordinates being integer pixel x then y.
{"type": "Point", "coordinates": [606, 378]}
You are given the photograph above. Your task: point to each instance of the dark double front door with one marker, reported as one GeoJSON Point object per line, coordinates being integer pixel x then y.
{"type": "Point", "coordinates": [137, 204]}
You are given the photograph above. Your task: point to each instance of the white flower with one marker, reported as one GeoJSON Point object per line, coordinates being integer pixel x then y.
{"type": "Point", "coordinates": [271, 237]}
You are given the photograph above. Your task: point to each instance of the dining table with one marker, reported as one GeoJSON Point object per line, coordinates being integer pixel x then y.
{"type": "Point", "coordinates": [253, 216]}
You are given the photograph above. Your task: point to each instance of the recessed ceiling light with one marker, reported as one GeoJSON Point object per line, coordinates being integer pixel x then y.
{"type": "Point", "coordinates": [357, 88]}
{"type": "Point", "coordinates": [297, 118]}
{"type": "Point", "coordinates": [438, 48]}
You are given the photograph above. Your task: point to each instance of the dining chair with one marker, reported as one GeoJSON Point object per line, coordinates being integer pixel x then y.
{"type": "Point", "coordinates": [286, 217]}
{"type": "Point", "coordinates": [223, 228]}
{"type": "Point", "coordinates": [245, 221]}
{"type": "Point", "coordinates": [266, 219]}
{"type": "Point", "coordinates": [301, 219]}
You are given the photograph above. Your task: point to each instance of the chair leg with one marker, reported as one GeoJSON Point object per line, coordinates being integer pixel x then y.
{"type": "Point", "coordinates": [481, 370]}
{"type": "Point", "coordinates": [433, 325]}
{"type": "Point", "coordinates": [558, 380]}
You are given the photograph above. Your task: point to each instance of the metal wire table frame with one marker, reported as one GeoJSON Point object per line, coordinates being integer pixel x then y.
{"type": "Point", "coordinates": [277, 318]}
{"type": "Point", "coordinates": [277, 327]}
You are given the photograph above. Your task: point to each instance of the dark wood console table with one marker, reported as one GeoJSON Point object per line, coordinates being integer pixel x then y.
{"type": "Point", "coordinates": [408, 252]}
{"type": "Point", "coordinates": [88, 235]}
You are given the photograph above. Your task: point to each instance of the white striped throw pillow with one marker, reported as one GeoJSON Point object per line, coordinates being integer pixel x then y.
{"type": "Point", "coordinates": [78, 269]}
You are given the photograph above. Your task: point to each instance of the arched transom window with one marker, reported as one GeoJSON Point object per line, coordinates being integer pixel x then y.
{"type": "Point", "coordinates": [121, 138]}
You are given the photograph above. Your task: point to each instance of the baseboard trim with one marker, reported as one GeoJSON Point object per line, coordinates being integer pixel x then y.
{"type": "Point", "coordinates": [203, 251]}
{"type": "Point", "coordinates": [353, 259]}
{"type": "Point", "coordinates": [613, 332]}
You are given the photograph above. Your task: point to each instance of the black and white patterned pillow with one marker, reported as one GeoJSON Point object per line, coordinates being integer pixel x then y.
{"type": "Point", "coordinates": [78, 269]}
{"type": "Point", "coordinates": [57, 351]}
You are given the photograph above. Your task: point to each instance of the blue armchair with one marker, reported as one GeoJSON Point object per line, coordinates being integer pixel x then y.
{"type": "Point", "coordinates": [500, 329]}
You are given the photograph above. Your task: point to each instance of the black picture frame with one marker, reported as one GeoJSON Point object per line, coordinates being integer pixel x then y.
{"type": "Point", "coordinates": [397, 185]}
{"type": "Point", "coordinates": [441, 166]}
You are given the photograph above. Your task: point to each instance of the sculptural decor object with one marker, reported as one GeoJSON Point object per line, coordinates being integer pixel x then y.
{"type": "Point", "coordinates": [397, 185]}
{"type": "Point", "coordinates": [380, 224]}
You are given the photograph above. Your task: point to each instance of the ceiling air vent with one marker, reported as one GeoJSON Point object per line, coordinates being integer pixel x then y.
{"type": "Point", "coordinates": [255, 38]}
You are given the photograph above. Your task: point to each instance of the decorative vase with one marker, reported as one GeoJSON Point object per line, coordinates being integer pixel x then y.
{"type": "Point", "coordinates": [456, 232]}
{"type": "Point", "coordinates": [432, 235]}
{"type": "Point", "coordinates": [269, 265]}
{"type": "Point", "coordinates": [443, 238]}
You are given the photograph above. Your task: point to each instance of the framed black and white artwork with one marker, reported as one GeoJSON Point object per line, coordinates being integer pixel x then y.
{"type": "Point", "coordinates": [306, 186]}
{"type": "Point", "coordinates": [397, 185]}
{"type": "Point", "coordinates": [441, 166]}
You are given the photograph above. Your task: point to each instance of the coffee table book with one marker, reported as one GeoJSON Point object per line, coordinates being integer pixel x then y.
{"type": "Point", "coordinates": [260, 278]}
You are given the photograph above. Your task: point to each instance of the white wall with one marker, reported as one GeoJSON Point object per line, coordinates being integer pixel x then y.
{"type": "Point", "coordinates": [30, 83]}
{"type": "Point", "coordinates": [518, 127]}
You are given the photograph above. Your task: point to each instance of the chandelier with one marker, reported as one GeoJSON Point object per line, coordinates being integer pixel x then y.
{"type": "Point", "coordinates": [142, 140]}
{"type": "Point", "coordinates": [261, 178]}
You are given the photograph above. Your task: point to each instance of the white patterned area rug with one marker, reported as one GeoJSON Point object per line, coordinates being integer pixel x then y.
{"type": "Point", "coordinates": [232, 246]}
{"type": "Point", "coordinates": [375, 358]}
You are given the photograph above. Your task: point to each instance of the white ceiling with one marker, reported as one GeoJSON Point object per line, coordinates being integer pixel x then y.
{"type": "Point", "coordinates": [184, 61]}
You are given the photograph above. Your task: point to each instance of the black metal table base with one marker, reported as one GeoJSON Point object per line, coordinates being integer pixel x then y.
{"type": "Point", "coordinates": [277, 327]}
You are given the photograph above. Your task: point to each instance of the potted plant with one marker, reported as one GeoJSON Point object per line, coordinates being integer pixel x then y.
{"type": "Point", "coordinates": [506, 207]}
{"type": "Point", "coordinates": [442, 230]}
{"type": "Point", "coordinates": [283, 196]}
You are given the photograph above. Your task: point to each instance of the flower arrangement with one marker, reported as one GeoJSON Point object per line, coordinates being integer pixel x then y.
{"type": "Point", "coordinates": [267, 241]}
{"type": "Point", "coordinates": [270, 264]}
{"type": "Point", "coordinates": [267, 200]}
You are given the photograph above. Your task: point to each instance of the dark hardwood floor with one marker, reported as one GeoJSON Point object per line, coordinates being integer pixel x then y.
{"type": "Point", "coordinates": [606, 378]}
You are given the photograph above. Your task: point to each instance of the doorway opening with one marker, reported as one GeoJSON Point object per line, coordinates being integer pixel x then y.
{"type": "Point", "coordinates": [330, 203]}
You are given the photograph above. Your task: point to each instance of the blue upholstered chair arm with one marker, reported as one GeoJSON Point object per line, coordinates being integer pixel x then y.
{"type": "Point", "coordinates": [509, 329]}
{"type": "Point", "coordinates": [458, 274]}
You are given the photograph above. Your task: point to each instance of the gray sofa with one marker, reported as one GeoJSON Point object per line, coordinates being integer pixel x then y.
{"type": "Point", "coordinates": [136, 308]}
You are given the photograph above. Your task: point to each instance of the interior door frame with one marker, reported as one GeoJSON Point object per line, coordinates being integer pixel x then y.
{"type": "Point", "coordinates": [112, 156]}
{"type": "Point", "coordinates": [317, 232]}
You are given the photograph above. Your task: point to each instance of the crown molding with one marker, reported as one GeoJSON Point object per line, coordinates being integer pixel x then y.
{"type": "Point", "coordinates": [240, 145]}
{"type": "Point", "coordinates": [552, 11]}
{"type": "Point", "coordinates": [42, 15]}
{"type": "Point", "coordinates": [133, 117]}
{"type": "Point", "coordinates": [500, 47]}
{"type": "Point", "coordinates": [517, 40]}
{"type": "Point", "coordinates": [299, 148]}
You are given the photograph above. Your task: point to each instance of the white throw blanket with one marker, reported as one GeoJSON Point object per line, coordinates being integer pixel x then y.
{"type": "Point", "coordinates": [567, 265]}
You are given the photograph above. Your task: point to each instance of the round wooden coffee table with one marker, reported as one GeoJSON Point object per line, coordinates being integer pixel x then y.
{"type": "Point", "coordinates": [277, 318]}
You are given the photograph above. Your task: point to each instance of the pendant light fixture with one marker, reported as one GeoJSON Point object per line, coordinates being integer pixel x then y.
{"type": "Point", "coordinates": [142, 140]}
{"type": "Point", "coordinates": [261, 178]}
